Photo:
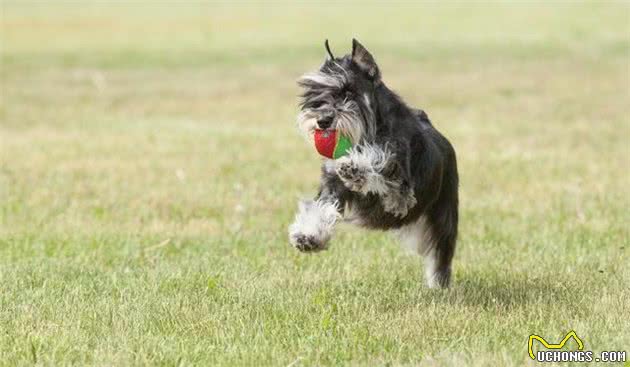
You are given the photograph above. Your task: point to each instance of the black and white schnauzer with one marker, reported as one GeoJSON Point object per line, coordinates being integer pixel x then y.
{"type": "Point", "coordinates": [401, 173]}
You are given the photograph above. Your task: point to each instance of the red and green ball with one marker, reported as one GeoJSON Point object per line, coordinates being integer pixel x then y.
{"type": "Point", "coordinates": [331, 143]}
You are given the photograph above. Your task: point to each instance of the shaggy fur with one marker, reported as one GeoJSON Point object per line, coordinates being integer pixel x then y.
{"type": "Point", "coordinates": [401, 173]}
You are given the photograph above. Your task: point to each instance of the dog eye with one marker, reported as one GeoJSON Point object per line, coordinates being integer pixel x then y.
{"type": "Point", "coordinates": [317, 104]}
{"type": "Point", "coordinates": [349, 94]}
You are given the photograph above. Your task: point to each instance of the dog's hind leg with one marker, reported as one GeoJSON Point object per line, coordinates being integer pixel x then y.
{"type": "Point", "coordinates": [438, 258]}
{"type": "Point", "coordinates": [433, 236]}
{"type": "Point", "coordinates": [442, 220]}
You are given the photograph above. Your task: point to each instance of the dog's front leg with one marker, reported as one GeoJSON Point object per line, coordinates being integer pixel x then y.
{"type": "Point", "coordinates": [371, 168]}
{"type": "Point", "coordinates": [315, 220]}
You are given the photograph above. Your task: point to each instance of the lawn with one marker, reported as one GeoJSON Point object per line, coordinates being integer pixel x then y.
{"type": "Point", "coordinates": [150, 166]}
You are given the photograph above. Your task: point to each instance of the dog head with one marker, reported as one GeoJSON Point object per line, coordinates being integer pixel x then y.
{"type": "Point", "coordinates": [341, 95]}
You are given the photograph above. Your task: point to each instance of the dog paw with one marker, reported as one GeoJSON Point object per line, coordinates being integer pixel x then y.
{"type": "Point", "coordinates": [313, 226]}
{"type": "Point", "coordinates": [399, 203]}
{"type": "Point", "coordinates": [353, 176]}
{"type": "Point", "coordinates": [306, 243]}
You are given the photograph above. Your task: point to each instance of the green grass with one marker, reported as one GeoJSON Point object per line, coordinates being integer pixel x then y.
{"type": "Point", "coordinates": [149, 168]}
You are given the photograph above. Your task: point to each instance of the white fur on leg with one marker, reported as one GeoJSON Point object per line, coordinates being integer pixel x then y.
{"type": "Point", "coordinates": [361, 170]}
{"type": "Point", "coordinates": [417, 238]}
{"type": "Point", "coordinates": [431, 270]}
{"type": "Point", "coordinates": [313, 225]}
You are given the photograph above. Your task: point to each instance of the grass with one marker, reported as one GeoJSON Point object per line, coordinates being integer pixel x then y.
{"type": "Point", "coordinates": [149, 169]}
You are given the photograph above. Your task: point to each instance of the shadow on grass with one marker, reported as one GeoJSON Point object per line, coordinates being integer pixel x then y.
{"type": "Point", "coordinates": [501, 289]}
{"type": "Point", "coordinates": [397, 291]}
{"type": "Point", "coordinates": [488, 290]}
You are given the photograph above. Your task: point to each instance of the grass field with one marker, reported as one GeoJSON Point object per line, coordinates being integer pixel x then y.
{"type": "Point", "coordinates": [149, 168]}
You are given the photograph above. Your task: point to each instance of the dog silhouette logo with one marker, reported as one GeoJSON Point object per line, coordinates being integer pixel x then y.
{"type": "Point", "coordinates": [570, 334]}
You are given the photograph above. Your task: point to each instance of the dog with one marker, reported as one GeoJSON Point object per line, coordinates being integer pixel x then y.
{"type": "Point", "coordinates": [399, 175]}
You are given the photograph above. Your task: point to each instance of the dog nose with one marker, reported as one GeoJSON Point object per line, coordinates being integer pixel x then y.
{"type": "Point", "coordinates": [324, 123]}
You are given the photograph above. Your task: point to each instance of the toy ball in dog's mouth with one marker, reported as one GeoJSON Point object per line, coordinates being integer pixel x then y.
{"type": "Point", "coordinates": [331, 143]}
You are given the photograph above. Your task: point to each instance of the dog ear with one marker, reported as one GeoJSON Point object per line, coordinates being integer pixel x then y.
{"type": "Point", "coordinates": [330, 54]}
{"type": "Point", "coordinates": [364, 60]}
